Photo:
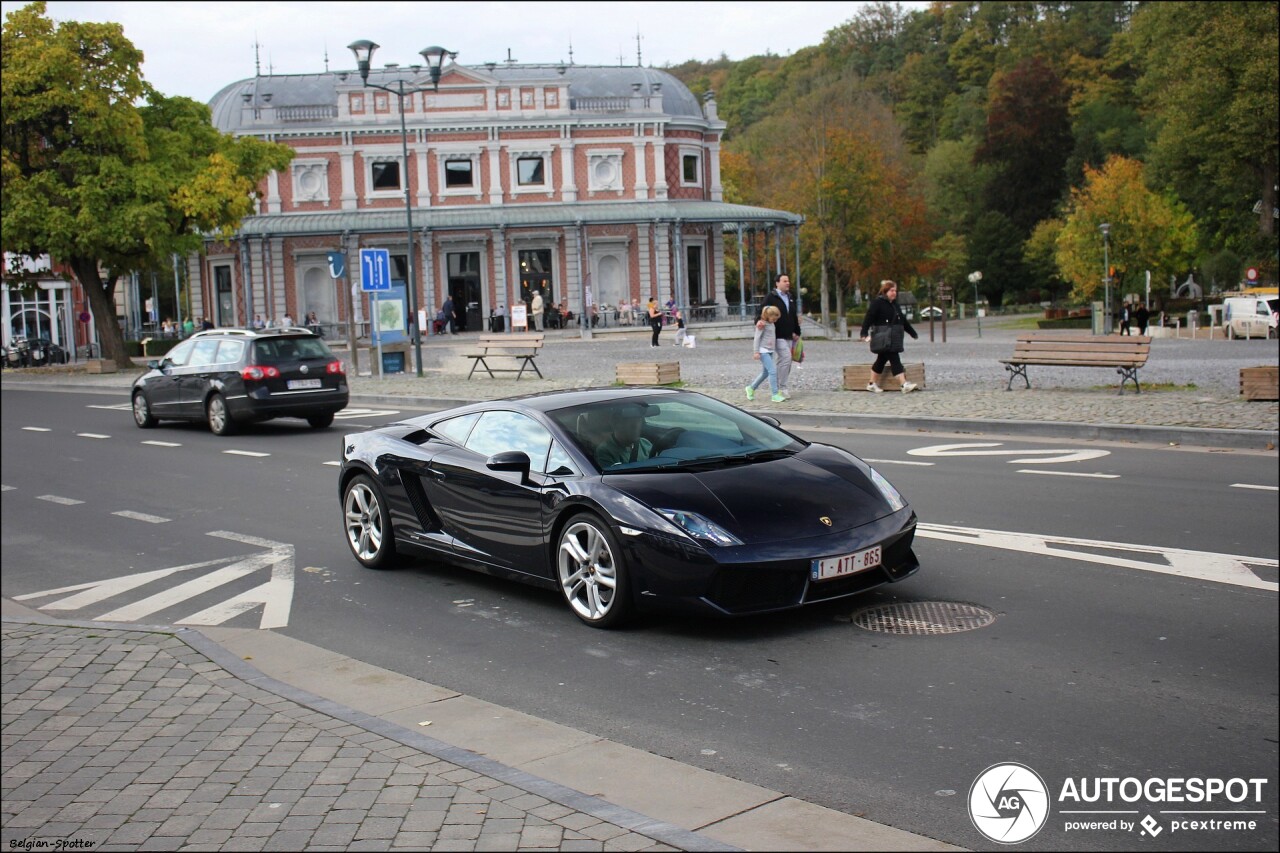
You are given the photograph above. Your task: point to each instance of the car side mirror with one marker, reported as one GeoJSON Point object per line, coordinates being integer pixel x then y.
{"type": "Point", "coordinates": [510, 460]}
{"type": "Point", "coordinates": [153, 364]}
{"type": "Point", "coordinates": [770, 420]}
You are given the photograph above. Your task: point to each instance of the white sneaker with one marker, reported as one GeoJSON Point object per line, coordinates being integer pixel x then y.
{"type": "Point", "coordinates": [786, 395]}
{"type": "Point", "coordinates": [908, 387]}
{"type": "Point", "coordinates": [874, 388]}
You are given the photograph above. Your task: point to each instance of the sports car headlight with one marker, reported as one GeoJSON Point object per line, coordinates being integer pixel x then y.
{"type": "Point", "coordinates": [699, 527]}
{"type": "Point", "coordinates": [886, 488]}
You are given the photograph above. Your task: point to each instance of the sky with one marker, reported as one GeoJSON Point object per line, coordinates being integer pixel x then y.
{"type": "Point", "coordinates": [195, 49]}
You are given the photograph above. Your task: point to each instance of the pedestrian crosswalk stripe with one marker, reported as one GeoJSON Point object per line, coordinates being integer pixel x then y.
{"type": "Point", "coordinates": [55, 499]}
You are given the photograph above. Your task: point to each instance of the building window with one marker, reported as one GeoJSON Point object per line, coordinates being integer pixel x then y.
{"type": "Point", "coordinates": [529, 171]}
{"type": "Point", "coordinates": [458, 173]}
{"type": "Point", "coordinates": [385, 175]}
{"type": "Point", "coordinates": [536, 274]}
{"type": "Point", "coordinates": [690, 169]}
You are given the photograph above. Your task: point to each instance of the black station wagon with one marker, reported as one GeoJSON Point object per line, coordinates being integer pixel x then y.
{"type": "Point", "coordinates": [233, 376]}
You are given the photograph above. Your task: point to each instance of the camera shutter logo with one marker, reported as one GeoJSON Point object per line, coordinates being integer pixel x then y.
{"type": "Point", "coordinates": [1008, 803]}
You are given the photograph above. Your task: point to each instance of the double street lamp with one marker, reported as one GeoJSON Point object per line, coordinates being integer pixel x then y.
{"type": "Point", "coordinates": [434, 57]}
{"type": "Point", "coordinates": [1105, 228]}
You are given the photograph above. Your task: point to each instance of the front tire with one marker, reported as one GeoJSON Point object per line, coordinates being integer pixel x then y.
{"type": "Point", "coordinates": [592, 572]}
{"type": "Point", "coordinates": [368, 523]}
{"type": "Point", "coordinates": [219, 418]}
{"type": "Point", "coordinates": [142, 412]}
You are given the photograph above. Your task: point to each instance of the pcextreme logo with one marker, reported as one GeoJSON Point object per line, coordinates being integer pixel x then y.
{"type": "Point", "coordinates": [1009, 803]}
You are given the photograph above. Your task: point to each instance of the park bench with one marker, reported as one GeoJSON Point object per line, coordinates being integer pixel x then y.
{"type": "Point", "coordinates": [524, 347]}
{"type": "Point", "coordinates": [1126, 353]}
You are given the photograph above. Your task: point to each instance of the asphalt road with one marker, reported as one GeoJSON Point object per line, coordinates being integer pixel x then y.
{"type": "Point", "coordinates": [1123, 643]}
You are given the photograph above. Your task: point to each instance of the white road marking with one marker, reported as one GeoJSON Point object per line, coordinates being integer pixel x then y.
{"type": "Point", "coordinates": [155, 443]}
{"type": "Point", "coordinates": [1203, 565]}
{"type": "Point", "coordinates": [245, 453]}
{"type": "Point", "coordinates": [7, 488]}
{"type": "Point", "coordinates": [92, 435]}
{"type": "Point", "coordinates": [118, 407]}
{"type": "Point", "coordinates": [1252, 486]}
{"type": "Point", "coordinates": [1068, 474]}
{"type": "Point", "coordinates": [141, 516]}
{"type": "Point", "coordinates": [897, 462]}
{"type": "Point", "coordinates": [54, 499]}
{"type": "Point", "coordinates": [349, 413]}
{"type": "Point", "coordinates": [1030, 457]}
{"type": "Point", "coordinates": [37, 429]}
{"type": "Point", "coordinates": [331, 462]}
{"type": "Point", "coordinates": [275, 596]}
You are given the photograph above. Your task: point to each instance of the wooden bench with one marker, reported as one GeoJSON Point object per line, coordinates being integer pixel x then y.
{"type": "Point", "coordinates": [524, 347]}
{"type": "Point", "coordinates": [1126, 353]}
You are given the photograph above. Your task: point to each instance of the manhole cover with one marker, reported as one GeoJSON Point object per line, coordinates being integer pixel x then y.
{"type": "Point", "coordinates": [924, 617]}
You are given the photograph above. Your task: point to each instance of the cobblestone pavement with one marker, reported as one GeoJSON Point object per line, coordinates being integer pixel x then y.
{"type": "Point", "coordinates": [121, 739]}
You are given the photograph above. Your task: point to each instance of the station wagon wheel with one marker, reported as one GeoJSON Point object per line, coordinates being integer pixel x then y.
{"type": "Point", "coordinates": [368, 523]}
{"type": "Point", "coordinates": [592, 572]}
{"type": "Point", "coordinates": [142, 411]}
{"type": "Point", "coordinates": [220, 422]}
{"type": "Point", "coordinates": [320, 421]}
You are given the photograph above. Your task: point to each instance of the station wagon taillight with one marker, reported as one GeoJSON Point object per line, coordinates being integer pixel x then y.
{"type": "Point", "coordinates": [258, 372]}
{"type": "Point", "coordinates": [334, 367]}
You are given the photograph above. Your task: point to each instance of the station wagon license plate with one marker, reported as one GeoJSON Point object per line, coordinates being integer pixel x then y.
{"type": "Point", "coordinates": [300, 384]}
{"type": "Point", "coordinates": [846, 564]}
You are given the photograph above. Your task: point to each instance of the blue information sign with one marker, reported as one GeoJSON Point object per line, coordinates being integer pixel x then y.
{"type": "Point", "coordinates": [337, 265]}
{"type": "Point", "coordinates": [375, 269]}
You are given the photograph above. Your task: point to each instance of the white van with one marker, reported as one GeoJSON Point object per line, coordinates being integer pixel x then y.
{"type": "Point", "coordinates": [1250, 316]}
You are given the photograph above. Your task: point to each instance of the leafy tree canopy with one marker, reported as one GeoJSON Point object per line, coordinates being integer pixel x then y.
{"type": "Point", "coordinates": [104, 173]}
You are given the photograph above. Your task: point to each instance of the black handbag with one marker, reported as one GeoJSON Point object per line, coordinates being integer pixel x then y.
{"type": "Point", "coordinates": [886, 338]}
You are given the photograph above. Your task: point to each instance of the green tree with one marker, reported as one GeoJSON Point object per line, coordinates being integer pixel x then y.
{"type": "Point", "coordinates": [99, 182]}
{"type": "Point", "coordinates": [1209, 84]}
{"type": "Point", "coordinates": [1149, 231]}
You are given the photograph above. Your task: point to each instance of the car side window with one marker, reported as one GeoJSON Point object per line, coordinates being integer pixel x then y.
{"type": "Point", "coordinates": [205, 352]}
{"type": "Point", "coordinates": [501, 431]}
{"type": "Point", "coordinates": [559, 463]}
{"type": "Point", "coordinates": [229, 352]}
{"type": "Point", "coordinates": [456, 429]}
{"type": "Point", "coordinates": [178, 355]}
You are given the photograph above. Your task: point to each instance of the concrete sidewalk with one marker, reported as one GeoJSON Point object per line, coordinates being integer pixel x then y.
{"type": "Point", "coordinates": [134, 737]}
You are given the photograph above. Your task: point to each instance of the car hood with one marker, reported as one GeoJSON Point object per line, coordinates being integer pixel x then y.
{"type": "Point", "coordinates": [768, 501]}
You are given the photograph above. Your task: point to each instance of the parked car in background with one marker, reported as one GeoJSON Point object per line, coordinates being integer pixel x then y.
{"type": "Point", "coordinates": [930, 312]}
{"type": "Point", "coordinates": [627, 498]}
{"type": "Point", "coordinates": [228, 377]}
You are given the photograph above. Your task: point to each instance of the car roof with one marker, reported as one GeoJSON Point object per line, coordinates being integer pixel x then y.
{"type": "Point", "coordinates": [549, 401]}
{"type": "Point", "coordinates": [279, 331]}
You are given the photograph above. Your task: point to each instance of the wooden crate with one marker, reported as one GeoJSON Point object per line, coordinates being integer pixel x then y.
{"type": "Point", "coordinates": [1260, 383]}
{"type": "Point", "coordinates": [648, 372]}
{"type": "Point", "coordinates": [856, 377]}
{"type": "Point", "coordinates": [100, 365]}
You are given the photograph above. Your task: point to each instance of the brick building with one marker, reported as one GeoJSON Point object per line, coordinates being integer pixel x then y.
{"type": "Point", "coordinates": [593, 184]}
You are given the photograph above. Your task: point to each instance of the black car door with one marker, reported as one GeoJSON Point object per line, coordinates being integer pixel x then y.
{"type": "Point", "coordinates": [162, 386]}
{"type": "Point", "coordinates": [495, 517]}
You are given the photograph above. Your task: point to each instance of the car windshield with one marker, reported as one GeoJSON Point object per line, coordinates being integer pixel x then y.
{"type": "Point", "coordinates": [671, 433]}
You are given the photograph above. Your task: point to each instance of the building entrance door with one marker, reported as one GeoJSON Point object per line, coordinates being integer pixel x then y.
{"type": "Point", "coordinates": [464, 289]}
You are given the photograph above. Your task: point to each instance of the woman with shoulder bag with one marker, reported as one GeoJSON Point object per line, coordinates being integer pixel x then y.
{"type": "Point", "coordinates": [883, 327]}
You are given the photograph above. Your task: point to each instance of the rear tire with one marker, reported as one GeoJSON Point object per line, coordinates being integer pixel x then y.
{"type": "Point", "coordinates": [367, 523]}
{"type": "Point", "coordinates": [320, 421]}
{"type": "Point", "coordinates": [592, 572]}
{"type": "Point", "coordinates": [142, 412]}
{"type": "Point", "coordinates": [219, 418]}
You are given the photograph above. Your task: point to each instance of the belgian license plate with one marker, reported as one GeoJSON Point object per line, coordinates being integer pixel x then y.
{"type": "Point", "coordinates": [846, 564]}
{"type": "Point", "coordinates": [299, 384]}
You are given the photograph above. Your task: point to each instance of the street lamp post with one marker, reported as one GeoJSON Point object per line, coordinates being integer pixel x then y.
{"type": "Point", "coordinates": [974, 278]}
{"type": "Point", "coordinates": [434, 57]}
{"type": "Point", "coordinates": [1105, 228]}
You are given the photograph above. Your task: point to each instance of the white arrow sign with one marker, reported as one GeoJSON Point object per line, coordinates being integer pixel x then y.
{"type": "Point", "coordinates": [275, 596]}
{"type": "Point", "coordinates": [1026, 457]}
